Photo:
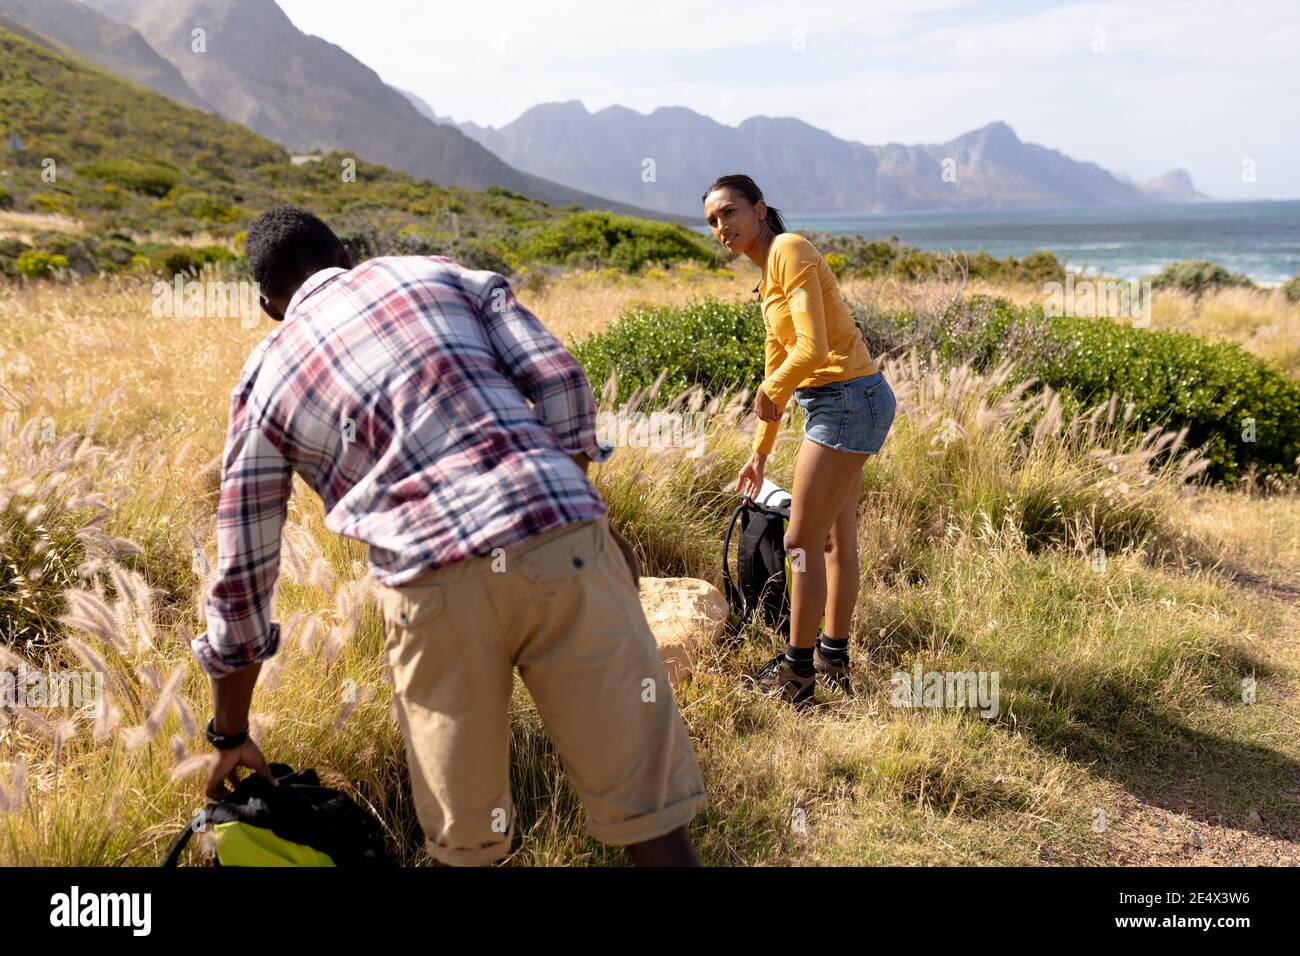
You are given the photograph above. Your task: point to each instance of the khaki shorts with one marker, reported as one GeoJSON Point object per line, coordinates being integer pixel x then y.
{"type": "Point", "coordinates": [563, 608]}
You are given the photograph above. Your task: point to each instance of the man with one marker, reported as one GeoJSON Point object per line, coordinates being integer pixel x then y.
{"type": "Point", "coordinates": [399, 391]}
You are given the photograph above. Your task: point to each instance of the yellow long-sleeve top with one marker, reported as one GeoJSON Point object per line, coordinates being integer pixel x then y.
{"type": "Point", "coordinates": [811, 337]}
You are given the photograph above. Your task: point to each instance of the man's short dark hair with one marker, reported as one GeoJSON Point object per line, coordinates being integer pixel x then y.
{"type": "Point", "coordinates": [286, 246]}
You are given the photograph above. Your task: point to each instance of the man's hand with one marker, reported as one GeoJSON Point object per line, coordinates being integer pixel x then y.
{"type": "Point", "coordinates": [231, 697]}
{"type": "Point", "coordinates": [225, 763]}
{"type": "Point", "coordinates": [582, 461]}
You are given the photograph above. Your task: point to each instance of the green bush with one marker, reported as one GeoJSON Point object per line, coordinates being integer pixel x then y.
{"type": "Point", "coordinates": [1241, 409]}
{"type": "Point", "coordinates": [114, 254]}
{"type": "Point", "coordinates": [52, 203]}
{"type": "Point", "coordinates": [1197, 276]}
{"type": "Point", "coordinates": [149, 179]}
{"type": "Point", "coordinates": [186, 260]}
{"type": "Point", "coordinates": [715, 344]}
{"type": "Point", "coordinates": [10, 250]}
{"type": "Point", "coordinates": [1291, 289]}
{"type": "Point", "coordinates": [39, 264]}
{"type": "Point", "coordinates": [591, 239]}
{"type": "Point", "coordinates": [874, 258]}
{"type": "Point", "coordinates": [204, 207]}
{"type": "Point", "coordinates": [6, 200]}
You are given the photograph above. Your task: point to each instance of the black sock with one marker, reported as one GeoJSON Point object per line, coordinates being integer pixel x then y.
{"type": "Point", "coordinates": [800, 658]}
{"type": "Point", "coordinates": [834, 648]}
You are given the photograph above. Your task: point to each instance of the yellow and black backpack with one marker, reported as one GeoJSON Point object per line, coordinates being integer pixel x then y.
{"type": "Point", "coordinates": [297, 823]}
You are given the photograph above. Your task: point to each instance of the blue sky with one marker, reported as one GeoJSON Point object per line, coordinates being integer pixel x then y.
{"type": "Point", "coordinates": [1138, 86]}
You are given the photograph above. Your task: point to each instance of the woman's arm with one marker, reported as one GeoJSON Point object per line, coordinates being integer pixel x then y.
{"type": "Point", "coordinates": [796, 270]}
{"type": "Point", "coordinates": [774, 355]}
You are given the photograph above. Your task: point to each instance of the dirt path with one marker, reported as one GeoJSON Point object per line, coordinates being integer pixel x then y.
{"type": "Point", "coordinates": [1173, 831]}
{"type": "Point", "coordinates": [1148, 835]}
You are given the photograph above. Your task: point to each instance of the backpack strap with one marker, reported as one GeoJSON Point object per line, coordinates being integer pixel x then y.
{"type": "Point", "coordinates": [174, 854]}
{"type": "Point", "coordinates": [734, 597]}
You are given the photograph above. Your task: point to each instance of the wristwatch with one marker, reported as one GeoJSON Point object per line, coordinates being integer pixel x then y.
{"type": "Point", "coordinates": [224, 741]}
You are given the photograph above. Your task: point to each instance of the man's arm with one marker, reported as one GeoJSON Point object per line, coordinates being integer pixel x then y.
{"type": "Point", "coordinates": [255, 486]}
{"type": "Point", "coordinates": [545, 372]}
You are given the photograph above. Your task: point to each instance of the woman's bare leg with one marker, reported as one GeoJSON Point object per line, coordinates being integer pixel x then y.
{"type": "Point", "coordinates": [823, 480]}
{"type": "Point", "coordinates": [842, 568]}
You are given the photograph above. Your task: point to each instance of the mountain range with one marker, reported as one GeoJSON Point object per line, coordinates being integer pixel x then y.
{"type": "Point", "coordinates": [253, 66]}
{"type": "Point", "coordinates": [802, 167]}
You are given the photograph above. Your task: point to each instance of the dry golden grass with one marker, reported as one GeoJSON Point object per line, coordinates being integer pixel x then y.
{"type": "Point", "coordinates": [978, 552]}
{"type": "Point", "coordinates": [1264, 322]}
{"type": "Point", "coordinates": [66, 348]}
{"type": "Point", "coordinates": [579, 303]}
{"type": "Point", "coordinates": [21, 225]}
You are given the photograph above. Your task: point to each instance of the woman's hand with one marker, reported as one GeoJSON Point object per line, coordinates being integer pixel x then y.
{"type": "Point", "coordinates": [764, 407]}
{"type": "Point", "coordinates": [751, 476]}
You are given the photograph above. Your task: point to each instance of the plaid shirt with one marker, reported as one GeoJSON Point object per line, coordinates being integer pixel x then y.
{"type": "Point", "coordinates": [397, 391]}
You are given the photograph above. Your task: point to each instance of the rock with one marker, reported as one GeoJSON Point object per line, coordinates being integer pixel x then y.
{"type": "Point", "coordinates": [684, 614]}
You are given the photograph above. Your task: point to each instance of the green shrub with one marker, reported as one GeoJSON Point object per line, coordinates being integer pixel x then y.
{"type": "Point", "coordinates": [591, 239]}
{"type": "Point", "coordinates": [114, 254]}
{"type": "Point", "coordinates": [51, 203]}
{"type": "Point", "coordinates": [6, 200]}
{"type": "Point", "coordinates": [1240, 408]}
{"type": "Point", "coordinates": [149, 179]}
{"type": "Point", "coordinates": [10, 250]}
{"type": "Point", "coordinates": [712, 343]}
{"type": "Point", "coordinates": [1197, 276]}
{"type": "Point", "coordinates": [507, 193]}
{"type": "Point", "coordinates": [111, 197]}
{"type": "Point", "coordinates": [873, 258]}
{"type": "Point", "coordinates": [1291, 289]}
{"type": "Point", "coordinates": [206, 208]}
{"type": "Point", "coordinates": [39, 264]}
{"type": "Point", "coordinates": [186, 260]}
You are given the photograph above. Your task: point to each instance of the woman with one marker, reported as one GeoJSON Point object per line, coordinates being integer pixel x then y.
{"type": "Point", "coordinates": [815, 353]}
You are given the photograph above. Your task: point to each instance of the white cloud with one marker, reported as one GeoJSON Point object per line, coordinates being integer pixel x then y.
{"type": "Point", "coordinates": [1189, 83]}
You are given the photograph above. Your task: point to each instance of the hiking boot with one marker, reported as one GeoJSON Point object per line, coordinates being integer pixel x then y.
{"type": "Point", "coordinates": [777, 679]}
{"type": "Point", "coordinates": [832, 673]}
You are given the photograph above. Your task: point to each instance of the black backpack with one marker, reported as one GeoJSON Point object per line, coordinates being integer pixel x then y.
{"type": "Point", "coordinates": [298, 823]}
{"type": "Point", "coordinates": [762, 579]}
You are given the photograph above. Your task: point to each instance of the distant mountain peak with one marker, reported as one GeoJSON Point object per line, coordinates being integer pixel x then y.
{"type": "Point", "coordinates": [1174, 186]}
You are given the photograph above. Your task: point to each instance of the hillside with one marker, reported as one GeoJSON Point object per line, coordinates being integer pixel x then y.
{"type": "Point", "coordinates": [261, 71]}
{"type": "Point", "coordinates": [77, 29]}
{"type": "Point", "coordinates": [130, 163]}
{"type": "Point", "coordinates": [138, 171]}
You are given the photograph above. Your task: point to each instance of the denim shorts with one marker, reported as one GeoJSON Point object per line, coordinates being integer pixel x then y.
{"type": "Point", "coordinates": [853, 416]}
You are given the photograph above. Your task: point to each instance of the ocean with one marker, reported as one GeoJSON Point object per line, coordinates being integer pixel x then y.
{"type": "Point", "coordinates": [1260, 239]}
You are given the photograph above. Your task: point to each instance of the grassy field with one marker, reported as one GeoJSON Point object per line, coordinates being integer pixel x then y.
{"type": "Point", "coordinates": [1124, 734]}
